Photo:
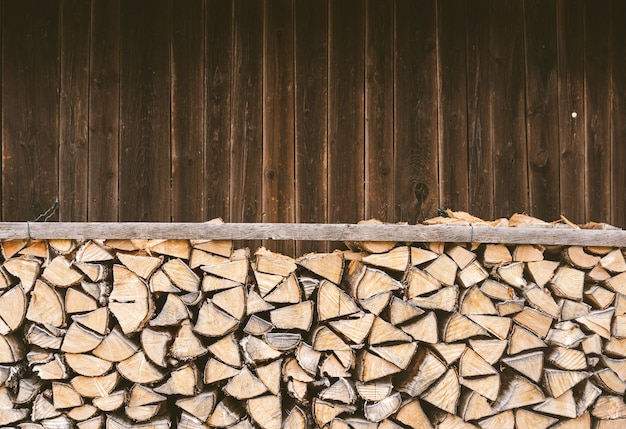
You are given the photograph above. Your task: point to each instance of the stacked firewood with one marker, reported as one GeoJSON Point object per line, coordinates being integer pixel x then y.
{"type": "Point", "coordinates": [197, 334]}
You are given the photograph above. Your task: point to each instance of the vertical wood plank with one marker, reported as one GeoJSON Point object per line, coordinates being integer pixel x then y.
{"type": "Point", "coordinates": [506, 74]}
{"type": "Point", "coordinates": [278, 118]}
{"type": "Point", "coordinates": [104, 106]}
{"type": "Point", "coordinates": [311, 108]}
{"type": "Point", "coordinates": [247, 114]}
{"type": "Point", "coordinates": [145, 111]}
{"type": "Point", "coordinates": [453, 131]}
{"type": "Point", "coordinates": [30, 109]}
{"type": "Point", "coordinates": [597, 111]}
{"type": "Point", "coordinates": [218, 58]}
{"type": "Point", "coordinates": [74, 113]}
{"type": "Point", "coordinates": [187, 80]}
{"type": "Point", "coordinates": [346, 82]}
{"type": "Point", "coordinates": [542, 119]}
{"type": "Point", "coordinates": [570, 34]}
{"type": "Point", "coordinates": [379, 110]}
{"type": "Point", "coordinates": [415, 99]}
{"type": "Point", "coordinates": [618, 112]}
{"type": "Point", "coordinates": [479, 119]}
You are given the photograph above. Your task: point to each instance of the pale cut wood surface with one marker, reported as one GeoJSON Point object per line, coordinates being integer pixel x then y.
{"type": "Point", "coordinates": [313, 231]}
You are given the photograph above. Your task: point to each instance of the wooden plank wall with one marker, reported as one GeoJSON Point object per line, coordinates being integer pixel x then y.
{"type": "Point", "coordinates": [312, 110]}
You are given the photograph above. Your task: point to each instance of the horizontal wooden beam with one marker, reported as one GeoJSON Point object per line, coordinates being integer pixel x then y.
{"type": "Point", "coordinates": [314, 232]}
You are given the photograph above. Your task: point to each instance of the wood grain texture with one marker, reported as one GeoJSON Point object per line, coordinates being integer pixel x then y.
{"type": "Point", "coordinates": [218, 53]}
{"type": "Point", "coordinates": [144, 166]}
{"type": "Point", "coordinates": [452, 102]}
{"type": "Point", "coordinates": [334, 232]}
{"type": "Point", "coordinates": [379, 110]}
{"type": "Point", "coordinates": [278, 116]}
{"type": "Point", "coordinates": [346, 83]}
{"type": "Point", "coordinates": [311, 109]}
{"type": "Point", "coordinates": [187, 99]}
{"type": "Point", "coordinates": [74, 110]}
{"type": "Point", "coordinates": [246, 179]}
{"type": "Point", "coordinates": [508, 108]}
{"type": "Point", "coordinates": [30, 108]}
{"type": "Point", "coordinates": [618, 112]}
{"type": "Point", "coordinates": [542, 120]}
{"type": "Point", "coordinates": [479, 118]}
{"type": "Point", "coordinates": [104, 106]}
{"type": "Point", "coordinates": [415, 102]}
{"type": "Point", "coordinates": [570, 37]}
{"type": "Point", "coordinates": [597, 110]}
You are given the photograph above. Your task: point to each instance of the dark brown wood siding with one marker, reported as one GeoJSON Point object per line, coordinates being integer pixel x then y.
{"type": "Point", "coordinates": [312, 111]}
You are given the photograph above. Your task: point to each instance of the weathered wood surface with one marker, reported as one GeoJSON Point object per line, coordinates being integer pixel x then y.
{"type": "Point", "coordinates": [315, 232]}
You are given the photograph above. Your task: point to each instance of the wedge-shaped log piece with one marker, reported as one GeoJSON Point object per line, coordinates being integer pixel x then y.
{"type": "Point", "coordinates": [556, 382]}
{"type": "Point", "coordinates": [598, 322]}
{"type": "Point", "coordinates": [535, 321]}
{"type": "Point", "coordinates": [324, 411]}
{"type": "Point", "coordinates": [297, 316]}
{"type": "Point", "coordinates": [614, 261]}
{"type": "Point", "coordinates": [215, 371]}
{"type": "Point", "coordinates": [184, 380]}
{"type": "Point", "coordinates": [60, 273]}
{"type": "Point", "coordinates": [609, 381]}
{"type": "Point", "coordinates": [355, 329]}
{"type": "Point", "coordinates": [450, 353]}
{"type": "Point", "coordinates": [379, 411]}
{"type": "Point", "coordinates": [200, 257]}
{"type": "Point", "coordinates": [111, 402]}
{"type": "Point", "coordinates": [508, 308]}
{"type": "Point", "coordinates": [525, 419]}
{"type": "Point", "coordinates": [342, 390]}
{"type": "Point", "coordinates": [568, 283]}
{"type": "Point", "coordinates": [568, 359]}
{"type": "Point", "coordinates": [513, 274]}
{"type": "Point", "coordinates": [92, 387]}
{"type": "Point", "coordinates": [93, 251]}
{"type": "Point", "coordinates": [397, 259]}
{"type": "Point", "coordinates": [236, 271]}
{"type": "Point", "coordinates": [528, 253]}
{"type": "Point", "coordinates": [143, 266]}
{"type": "Point", "coordinates": [487, 386]}
{"type": "Point", "coordinates": [130, 300]}
{"type": "Point", "coordinates": [371, 367]}
{"type": "Point", "coordinates": [24, 268]}
{"type": "Point", "coordinates": [372, 282]}
{"type": "Point", "coordinates": [592, 345]}
{"type": "Point", "coordinates": [423, 371]}
{"type": "Point", "coordinates": [332, 302]}
{"type": "Point", "coordinates": [266, 411]}
{"type": "Point", "coordinates": [27, 388]}
{"type": "Point", "coordinates": [45, 336]}
{"type": "Point", "coordinates": [82, 413]}
{"type": "Point", "coordinates": [115, 347]}
{"type": "Point", "coordinates": [398, 354]}
{"type": "Point", "coordinates": [616, 283]}
{"type": "Point", "coordinates": [474, 406]}
{"type": "Point", "coordinates": [282, 341]}
{"type": "Point", "coordinates": [451, 421]}
{"type": "Point", "coordinates": [401, 311]}
{"type": "Point", "coordinates": [577, 256]}
{"type": "Point", "coordinates": [267, 282]}
{"type": "Point", "coordinates": [374, 390]}
{"type": "Point", "coordinates": [298, 390]}
{"type": "Point", "coordinates": [286, 292]}
{"type": "Point", "coordinates": [597, 274]}
{"type": "Point", "coordinates": [200, 406]}
{"type": "Point", "coordinates": [274, 263]}
{"type": "Point", "coordinates": [89, 365]}
{"type": "Point", "coordinates": [461, 256]}
{"type": "Point", "coordinates": [256, 304]}
{"type": "Point", "coordinates": [443, 269]}
{"type": "Point", "coordinates": [542, 300]}
{"type": "Point", "coordinates": [52, 370]}
{"type": "Point", "coordinates": [445, 299]}
{"type": "Point", "coordinates": [45, 306]}
{"type": "Point", "coordinates": [490, 350]}
{"type": "Point", "coordinates": [80, 340]}
{"type": "Point", "coordinates": [326, 265]}
{"type": "Point", "coordinates": [495, 325]}
{"type": "Point", "coordinates": [325, 339]}
{"type": "Point", "coordinates": [39, 248]}
{"type": "Point", "coordinates": [160, 282]}
{"type": "Point", "coordinates": [213, 322]}
{"type": "Point", "coordinates": [572, 309]}
{"type": "Point", "coordinates": [181, 275]}
{"type": "Point", "coordinates": [43, 409]}
{"type": "Point", "coordinates": [296, 419]}
{"type": "Point", "coordinates": [496, 254]}
{"type": "Point", "coordinates": [155, 344]}
{"type": "Point", "coordinates": [64, 396]}
{"type": "Point", "coordinates": [175, 248]}
{"type": "Point", "coordinates": [227, 350]}
{"type": "Point", "coordinates": [375, 304]}
{"type": "Point", "coordinates": [411, 414]}
{"type": "Point", "coordinates": [541, 272]}
{"type": "Point", "coordinates": [473, 301]}
{"type": "Point", "coordinates": [423, 329]}
{"type": "Point", "coordinates": [517, 392]}
{"type": "Point", "coordinates": [528, 364]}
{"type": "Point", "coordinates": [420, 256]}
{"type": "Point", "coordinates": [472, 275]}
{"type": "Point", "coordinates": [497, 290]}
{"type": "Point", "coordinates": [142, 413]}
{"type": "Point", "coordinates": [472, 365]}
{"type": "Point", "coordinates": [139, 369]}
{"type": "Point", "coordinates": [332, 367]}
{"type": "Point", "coordinates": [245, 385]}
{"type": "Point", "coordinates": [503, 420]}
{"type": "Point", "coordinates": [257, 326]}
{"type": "Point", "coordinates": [308, 358]}
{"type": "Point", "coordinates": [270, 375]}
{"type": "Point", "coordinates": [565, 334]}
{"type": "Point", "coordinates": [444, 394]}
{"type": "Point", "coordinates": [563, 406]}
{"type": "Point", "coordinates": [384, 332]}
{"type": "Point", "coordinates": [609, 408]}
{"type": "Point", "coordinates": [12, 247]}
{"type": "Point", "coordinates": [78, 302]}
{"type": "Point", "coordinates": [419, 283]}
{"type": "Point", "coordinates": [172, 313]}
{"type": "Point", "coordinates": [12, 309]}
{"type": "Point", "coordinates": [459, 327]}
{"type": "Point", "coordinates": [257, 350]}
{"type": "Point", "coordinates": [141, 395]}
{"type": "Point", "coordinates": [186, 345]}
